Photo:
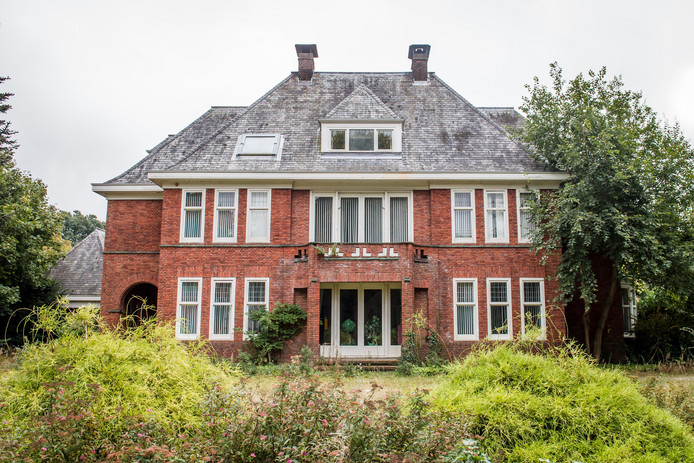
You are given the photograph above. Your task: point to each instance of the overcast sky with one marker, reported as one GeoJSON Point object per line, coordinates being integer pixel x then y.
{"type": "Point", "coordinates": [97, 83]}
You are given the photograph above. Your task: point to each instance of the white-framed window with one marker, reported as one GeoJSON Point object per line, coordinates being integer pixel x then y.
{"type": "Point", "coordinates": [465, 312]}
{"type": "Point", "coordinates": [361, 217]}
{"type": "Point", "coordinates": [192, 216]}
{"type": "Point", "coordinates": [188, 308]}
{"type": "Point", "coordinates": [526, 226]}
{"type": "Point", "coordinates": [499, 308]}
{"type": "Point", "coordinates": [628, 311]}
{"type": "Point", "coordinates": [225, 207]}
{"type": "Point", "coordinates": [256, 298]}
{"type": "Point", "coordinates": [259, 144]}
{"type": "Point", "coordinates": [463, 215]}
{"type": "Point", "coordinates": [258, 217]}
{"type": "Point", "coordinates": [361, 137]}
{"type": "Point", "coordinates": [496, 216]}
{"type": "Point", "coordinates": [533, 321]}
{"type": "Point", "coordinates": [222, 308]}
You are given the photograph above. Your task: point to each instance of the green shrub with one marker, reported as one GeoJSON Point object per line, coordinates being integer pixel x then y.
{"type": "Point", "coordinates": [559, 407]}
{"type": "Point", "coordinates": [275, 327]}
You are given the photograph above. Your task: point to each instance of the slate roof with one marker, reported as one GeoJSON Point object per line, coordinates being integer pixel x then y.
{"type": "Point", "coordinates": [79, 272]}
{"type": "Point", "coordinates": [442, 132]}
{"type": "Point", "coordinates": [506, 117]}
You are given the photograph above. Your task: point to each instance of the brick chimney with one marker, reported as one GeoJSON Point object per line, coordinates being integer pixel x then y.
{"type": "Point", "coordinates": [419, 54]}
{"type": "Point", "coordinates": [306, 53]}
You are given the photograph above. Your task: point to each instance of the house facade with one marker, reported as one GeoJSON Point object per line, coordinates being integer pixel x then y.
{"type": "Point", "coordinates": [365, 198]}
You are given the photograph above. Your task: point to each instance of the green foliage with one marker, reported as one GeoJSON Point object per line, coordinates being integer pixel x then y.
{"type": "Point", "coordinates": [677, 398]}
{"type": "Point", "coordinates": [275, 327]}
{"type": "Point", "coordinates": [559, 407]}
{"type": "Point", "coordinates": [421, 351]}
{"type": "Point", "coordinates": [77, 226]}
{"type": "Point", "coordinates": [30, 241]}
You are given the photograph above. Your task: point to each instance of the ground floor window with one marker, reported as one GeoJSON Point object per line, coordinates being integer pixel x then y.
{"type": "Point", "coordinates": [257, 294]}
{"type": "Point", "coordinates": [360, 320]}
{"type": "Point", "coordinates": [533, 306]}
{"type": "Point", "coordinates": [222, 309]}
{"type": "Point", "coordinates": [499, 308]}
{"type": "Point", "coordinates": [465, 316]}
{"type": "Point", "coordinates": [188, 308]}
{"type": "Point", "coordinates": [628, 311]}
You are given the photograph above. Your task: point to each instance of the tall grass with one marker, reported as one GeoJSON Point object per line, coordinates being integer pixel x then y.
{"type": "Point", "coordinates": [559, 407]}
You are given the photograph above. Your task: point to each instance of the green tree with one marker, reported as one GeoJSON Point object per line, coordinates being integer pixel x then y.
{"type": "Point", "coordinates": [629, 194]}
{"type": "Point", "coordinates": [77, 226]}
{"type": "Point", "coordinates": [30, 240]}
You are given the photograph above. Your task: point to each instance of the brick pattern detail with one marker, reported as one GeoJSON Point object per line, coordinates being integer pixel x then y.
{"type": "Point", "coordinates": [135, 227]}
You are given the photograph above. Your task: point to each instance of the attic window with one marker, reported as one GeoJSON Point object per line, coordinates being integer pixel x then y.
{"type": "Point", "coordinates": [262, 144]}
{"type": "Point", "coordinates": [362, 137]}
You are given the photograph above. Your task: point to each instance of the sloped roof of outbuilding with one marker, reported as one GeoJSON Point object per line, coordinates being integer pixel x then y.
{"type": "Point", "coordinates": [79, 272]}
{"type": "Point", "coordinates": [442, 132]}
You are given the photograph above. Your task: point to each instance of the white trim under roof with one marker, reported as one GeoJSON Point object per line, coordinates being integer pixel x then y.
{"type": "Point", "coordinates": [127, 191]}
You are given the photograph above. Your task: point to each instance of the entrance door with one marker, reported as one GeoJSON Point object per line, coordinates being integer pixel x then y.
{"type": "Point", "coordinates": [360, 320]}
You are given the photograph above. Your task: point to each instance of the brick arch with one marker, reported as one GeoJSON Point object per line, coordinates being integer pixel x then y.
{"type": "Point", "coordinates": [138, 302]}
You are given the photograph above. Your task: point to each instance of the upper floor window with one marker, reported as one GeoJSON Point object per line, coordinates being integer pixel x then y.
{"type": "Point", "coordinates": [526, 225]}
{"type": "Point", "coordinates": [225, 206]}
{"type": "Point", "coordinates": [533, 307]}
{"type": "Point", "coordinates": [496, 216]}
{"type": "Point", "coordinates": [463, 212]}
{"type": "Point", "coordinates": [361, 218]}
{"type": "Point", "coordinates": [259, 144]}
{"type": "Point", "coordinates": [258, 219]}
{"type": "Point", "coordinates": [465, 309]}
{"type": "Point", "coordinates": [628, 311]}
{"type": "Point", "coordinates": [361, 137]}
{"type": "Point", "coordinates": [499, 308]}
{"type": "Point", "coordinates": [188, 308]}
{"type": "Point", "coordinates": [192, 214]}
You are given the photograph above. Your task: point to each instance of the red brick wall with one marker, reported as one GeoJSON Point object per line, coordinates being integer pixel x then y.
{"type": "Point", "coordinates": [299, 280]}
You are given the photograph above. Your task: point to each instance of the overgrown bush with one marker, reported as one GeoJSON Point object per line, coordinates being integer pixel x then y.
{"type": "Point", "coordinates": [275, 327]}
{"type": "Point", "coordinates": [559, 407]}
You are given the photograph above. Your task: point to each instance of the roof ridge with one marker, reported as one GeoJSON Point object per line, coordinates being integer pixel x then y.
{"type": "Point", "coordinates": [362, 88]}
{"type": "Point", "coordinates": [225, 126]}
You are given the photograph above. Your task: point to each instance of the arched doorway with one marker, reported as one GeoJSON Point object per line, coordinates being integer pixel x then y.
{"type": "Point", "coordinates": [139, 303]}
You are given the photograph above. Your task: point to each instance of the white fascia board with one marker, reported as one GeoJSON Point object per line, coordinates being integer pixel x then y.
{"type": "Point", "coordinates": [432, 178]}
{"type": "Point", "coordinates": [117, 191]}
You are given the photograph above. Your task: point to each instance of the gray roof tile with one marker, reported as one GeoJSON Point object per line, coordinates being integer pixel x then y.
{"type": "Point", "coordinates": [79, 272]}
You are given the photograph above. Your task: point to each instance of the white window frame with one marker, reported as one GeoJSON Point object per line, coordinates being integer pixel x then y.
{"type": "Point", "coordinates": [543, 315]}
{"type": "Point", "coordinates": [232, 303]}
{"type": "Point", "coordinates": [246, 302]}
{"type": "Point", "coordinates": [278, 142]}
{"type": "Point", "coordinates": [249, 238]}
{"type": "Point", "coordinates": [509, 311]}
{"type": "Point", "coordinates": [487, 225]}
{"type": "Point", "coordinates": [466, 337]}
{"type": "Point", "coordinates": [473, 238]}
{"type": "Point", "coordinates": [201, 238]}
{"type": "Point", "coordinates": [385, 218]}
{"type": "Point", "coordinates": [326, 142]}
{"type": "Point", "coordinates": [215, 237]}
{"type": "Point", "coordinates": [196, 334]}
{"type": "Point", "coordinates": [519, 208]}
{"type": "Point", "coordinates": [632, 309]}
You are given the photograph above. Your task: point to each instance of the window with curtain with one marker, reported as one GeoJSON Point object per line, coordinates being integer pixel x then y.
{"type": "Point", "coordinates": [499, 309]}
{"type": "Point", "coordinates": [526, 226]}
{"type": "Point", "coordinates": [222, 310]}
{"type": "Point", "coordinates": [188, 316]}
{"type": "Point", "coordinates": [463, 216]}
{"type": "Point", "coordinates": [323, 219]}
{"type": "Point", "coordinates": [225, 216]}
{"type": "Point", "coordinates": [533, 306]}
{"type": "Point", "coordinates": [465, 306]}
{"type": "Point", "coordinates": [192, 223]}
{"type": "Point", "coordinates": [398, 220]}
{"type": "Point", "coordinates": [258, 228]}
{"type": "Point", "coordinates": [256, 299]}
{"type": "Point", "coordinates": [496, 216]}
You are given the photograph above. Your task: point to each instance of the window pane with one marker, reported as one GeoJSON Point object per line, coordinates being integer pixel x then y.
{"type": "Point", "coordinates": [531, 291]}
{"type": "Point", "coordinates": [326, 304]}
{"type": "Point", "coordinates": [398, 220]}
{"type": "Point", "coordinates": [221, 319]}
{"type": "Point", "coordinates": [259, 145]}
{"type": "Point", "coordinates": [253, 325]}
{"type": "Point", "coordinates": [499, 319]}
{"type": "Point", "coordinates": [226, 199]}
{"type": "Point", "coordinates": [258, 199]}
{"type": "Point", "coordinates": [527, 225]}
{"type": "Point", "coordinates": [189, 319]}
{"type": "Point", "coordinates": [374, 220]}
{"type": "Point", "coordinates": [466, 292]}
{"type": "Point", "coordinates": [361, 140]}
{"type": "Point", "coordinates": [225, 223]}
{"type": "Point", "coordinates": [533, 316]}
{"type": "Point", "coordinates": [627, 321]}
{"type": "Point", "coordinates": [349, 326]}
{"type": "Point", "coordinates": [222, 293]}
{"type": "Point", "coordinates": [189, 291]}
{"type": "Point", "coordinates": [463, 223]}
{"type": "Point", "coordinates": [194, 199]}
{"type": "Point", "coordinates": [373, 317]}
{"type": "Point", "coordinates": [497, 224]}
{"type": "Point", "coordinates": [395, 317]}
{"type": "Point", "coordinates": [349, 216]}
{"type": "Point", "coordinates": [496, 200]}
{"type": "Point", "coordinates": [526, 199]}
{"type": "Point", "coordinates": [324, 220]}
{"type": "Point", "coordinates": [256, 291]}
{"type": "Point", "coordinates": [258, 223]}
{"type": "Point", "coordinates": [463, 199]}
{"type": "Point", "coordinates": [466, 319]}
{"type": "Point", "coordinates": [385, 139]}
{"type": "Point", "coordinates": [337, 139]}
{"type": "Point", "coordinates": [191, 226]}
{"type": "Point", "coordinates": [498, 291]}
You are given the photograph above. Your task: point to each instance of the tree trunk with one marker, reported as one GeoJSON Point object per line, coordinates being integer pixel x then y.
{"type": "Point", "coordinates": [604, 312]}
{"type": "Point", "coordinates": [586, 326]}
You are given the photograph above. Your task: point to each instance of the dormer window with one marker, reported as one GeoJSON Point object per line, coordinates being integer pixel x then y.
{"type": "Point", "coordinates": [352, 137]}
{"type": "Point", "coordinates": [259, 144]}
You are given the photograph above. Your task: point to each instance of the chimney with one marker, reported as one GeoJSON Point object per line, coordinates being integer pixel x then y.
{"type": "Point", "coordinates": [419, 54]}
{"type": "Point", "coordinates": [306, 53]}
